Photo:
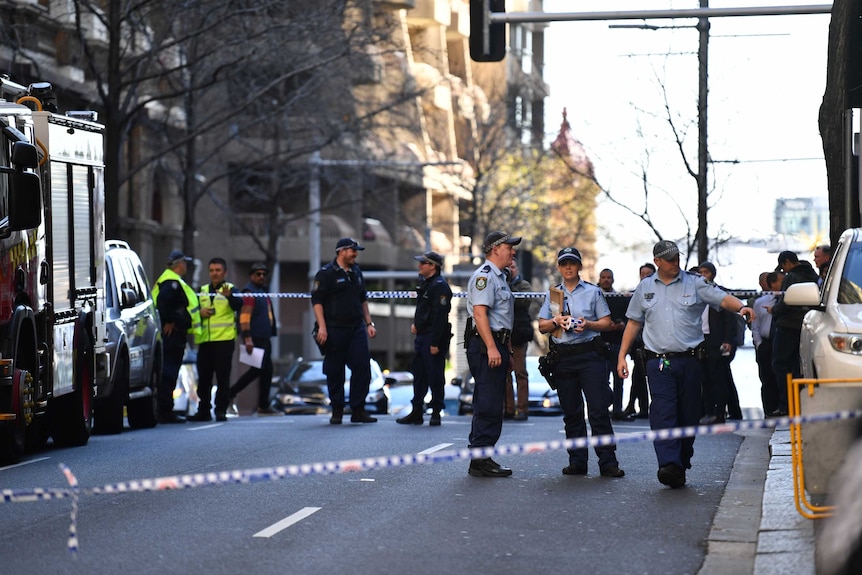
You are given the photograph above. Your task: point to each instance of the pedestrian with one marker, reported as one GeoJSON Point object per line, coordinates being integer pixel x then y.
{"type": "Point", "coordinates": [787, 326]}
{"type": "Point", "coordinates": [344, 327]}
{"type": "Point", "coordinates": [719, 338]}
{"type": "Point", "coordinates": [216, 342]}
{"type": "Point", "coordinates": [668, 306]}
{"type": "Point", "coordinates": [522, 335]}
{"type": "Point", "coordinates": [581, 370]}
{"type": "Point", "coordinates": [432, 332]}
{"type": "Point", "coordinates": [639, 389]}
{"type": "Point", "coordinates": [179, 311]}
{"type": "Point", "coordinates": [761, 334]}
{"type": "Point", "coordinates": [617, 303]}
{"type": "Point", "coordinates": [487, 339]}
{"type": "Point", "coordinates": [822, 258]}
{"type": "Point", "coordinates": [257, 327]}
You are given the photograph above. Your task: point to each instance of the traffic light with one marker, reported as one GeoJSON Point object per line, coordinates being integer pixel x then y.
{"type": "Point", "coordinates": [487, 41]}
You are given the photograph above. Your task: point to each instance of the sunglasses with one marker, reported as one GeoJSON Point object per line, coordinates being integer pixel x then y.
{"type": "Point", "coordinates": [259, 273]}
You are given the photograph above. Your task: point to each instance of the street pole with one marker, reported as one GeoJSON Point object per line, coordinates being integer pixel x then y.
{"type": "Point", "coordinates": [702, 148]}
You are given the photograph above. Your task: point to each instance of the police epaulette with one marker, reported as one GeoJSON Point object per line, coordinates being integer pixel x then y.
{"type": "Point", "coordinates": [559, 285]}
{"type": "Point", "coordinates": [486, 268]}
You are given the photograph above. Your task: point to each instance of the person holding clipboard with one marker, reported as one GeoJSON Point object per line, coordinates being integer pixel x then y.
{"type": "Point", "coordinates": [257, 327]}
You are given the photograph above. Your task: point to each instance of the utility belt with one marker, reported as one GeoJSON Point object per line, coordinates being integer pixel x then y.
{"type": "Point", "coordinates": [565, 350]}
{"type": "Point", "coordinates": [698, 352]}
{"type": "Point", "coordinates": [502, 336]}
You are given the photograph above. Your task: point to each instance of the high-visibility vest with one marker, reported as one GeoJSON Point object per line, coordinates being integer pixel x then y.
{"type": "Point", "coordinates": [221, 326]}
{"type": "Point", "coordinates": [193, 306]}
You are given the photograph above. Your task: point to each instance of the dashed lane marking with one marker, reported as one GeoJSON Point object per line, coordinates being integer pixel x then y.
{"type": "Point", "coordinates": [438, 447]}
{"type": "Point", "coordinates": [276, 528]}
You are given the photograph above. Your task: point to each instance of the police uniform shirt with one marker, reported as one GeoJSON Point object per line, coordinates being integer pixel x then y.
{"type": "Point", "coordinates": [434, 300]}
{"type": "Point", "coordinates": [341, 293]}
{"type": "Point", "coordinates": [671, 313]}
{"type": "Point", "coordinates": [488, 287]}
{"type": "Point", "coordinates": [586, 301]}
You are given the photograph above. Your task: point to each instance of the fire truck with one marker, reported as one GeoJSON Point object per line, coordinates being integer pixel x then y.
{"type": "Point", "coordinates": [52, 262]}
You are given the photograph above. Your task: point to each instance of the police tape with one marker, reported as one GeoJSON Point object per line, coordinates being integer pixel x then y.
{"type": "Point", "coordinates": [249, 476]}
{"type": "Point", "coordinates": [411, 294]}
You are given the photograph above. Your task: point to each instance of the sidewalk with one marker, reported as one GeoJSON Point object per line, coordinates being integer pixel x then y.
{"type": "Point", "coordinates": [757, 528]}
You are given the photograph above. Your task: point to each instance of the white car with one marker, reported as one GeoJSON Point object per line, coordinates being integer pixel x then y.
{"type": "Point", "coordinates": [831, 339]}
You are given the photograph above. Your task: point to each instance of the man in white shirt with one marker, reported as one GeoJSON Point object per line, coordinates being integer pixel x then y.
{"type": "Point", "coordinates": [761, 334]}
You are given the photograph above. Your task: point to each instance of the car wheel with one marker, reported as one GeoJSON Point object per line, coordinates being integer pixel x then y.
{"type": "Point", "coordinates": [462, 409]}
{"type": "Point", "coordinates": [142, 411]}
{"type": "Point", "coordinates": [108, 414]}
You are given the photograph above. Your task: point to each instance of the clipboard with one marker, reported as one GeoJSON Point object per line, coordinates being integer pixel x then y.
{"type": "Point", "coordinates": [557, 297]}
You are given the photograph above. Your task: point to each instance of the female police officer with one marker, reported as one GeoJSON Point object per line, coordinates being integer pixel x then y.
{"type": "Point", "coordinates": [582, 368]}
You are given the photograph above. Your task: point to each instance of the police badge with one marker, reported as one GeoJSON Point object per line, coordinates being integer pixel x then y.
{"type": "Point", "coordinates": [481, 282]}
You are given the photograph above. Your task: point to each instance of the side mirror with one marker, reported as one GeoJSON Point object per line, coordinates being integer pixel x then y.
{"type": "Point", "coordinates": [130, 298]}
{"type": "Point", "coordinates": [457, 381]}
{"type": "Point", "coordinates": [25, 201]}
{"type": "Point", "coordinates": [806, 293]}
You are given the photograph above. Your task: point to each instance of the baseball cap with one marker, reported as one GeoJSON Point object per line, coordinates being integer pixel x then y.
{"type": "Point", "coordinates": [258, 267]}
{"type": "Point", "coordinates": [431, 258]}
{"type": "Point", "coordinates": [495, 239]}
{"type": "Point", "coordinates": [709, 266]}
{"type": "Point", "coordinates": [177, 255]}
{"type": "Point", "coordinates": [666, 250]}
{"type": "Point", "coordinates": [568, 254]}
{"type": "Point", "coordinates": [348, 243]}
{"type": "Point", "coordinates": [786, 256]}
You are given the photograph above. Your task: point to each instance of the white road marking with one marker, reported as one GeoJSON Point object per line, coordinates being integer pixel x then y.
{"type": "Point", "coordinates": [208, 426]}
{"type": "Point", "coordinates": [437, 447]}
{"type": "Point", "coordinates": [287, 522]}
{"type": "Point", "coordinates": [24, 463]}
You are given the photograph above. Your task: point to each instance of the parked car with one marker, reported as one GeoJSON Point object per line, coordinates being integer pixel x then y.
{"type": "Point", "coordinates": [134, 345]}
{"type": "Point", "coordinates": [831, 338]}
{"type": "Point", "coordinates": [542, 399]}
{"type": "Point", "coordinates": [303, 389]}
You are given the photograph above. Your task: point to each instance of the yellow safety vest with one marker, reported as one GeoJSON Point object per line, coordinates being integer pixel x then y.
{"type": "Point", "coordinates": [221, 326]}
{"type": "Point", "coordinates": [193, 306]}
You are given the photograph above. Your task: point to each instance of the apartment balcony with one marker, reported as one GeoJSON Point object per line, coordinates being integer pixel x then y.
{"type": "Point", "coordinates": [381, 251]}
{"type": "Point", "coordinates": [430, 13]}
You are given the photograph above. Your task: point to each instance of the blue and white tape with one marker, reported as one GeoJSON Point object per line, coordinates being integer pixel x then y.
{"type": "Point", "coordinates": [249, 476]}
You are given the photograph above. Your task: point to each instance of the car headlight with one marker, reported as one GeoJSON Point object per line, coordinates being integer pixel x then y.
{"type": "Point", "coordinates": [846, 342]}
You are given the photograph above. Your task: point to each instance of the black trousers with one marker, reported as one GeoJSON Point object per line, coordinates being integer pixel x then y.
{"type": "Point", "coordinates": [215, 359]}
{"type": "Point", "coordinates": [262, 374]}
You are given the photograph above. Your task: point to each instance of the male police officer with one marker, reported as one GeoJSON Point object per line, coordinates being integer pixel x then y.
{"type": "Point", "coordinates": [179, 311]}
{"type": "Point", "coordinates": [491, 307]}
{"type": "Point", "coordinates": [343, 328]}
{"type": "Point", "coordinates": [433, 331]}
{"type": "Point", "coordinates": [669, 306]}
{"type": "Point", "coordinates": [581, 371]}
{"type": "Point", "coordinates": [219, 305]}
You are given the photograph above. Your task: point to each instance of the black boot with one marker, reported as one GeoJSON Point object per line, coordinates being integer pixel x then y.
{"type": "Point", "coordinates": [337, 413]}
{"type": "Point", "coordinates": [413, 418]}
{"type": "Point", "coordinates": [435, 418]}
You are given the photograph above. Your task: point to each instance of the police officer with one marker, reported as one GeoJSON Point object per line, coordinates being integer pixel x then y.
{"type": "Point", "coordinates": [219, 306]}
{"type": "Point", "coordinates": [179, 311]}
{"type": "Point", "coordinates": [581, 371]}
{"type": "Point", "coordinates": [669, 306]}
{"type": "Point", "coordinates": [433, 331]}
{"type": "Point", "coordinates": [343, 328]}
{"type": "Point", "coordinates": [491, 311]}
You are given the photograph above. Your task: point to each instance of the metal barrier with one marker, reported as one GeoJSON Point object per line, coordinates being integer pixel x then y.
{"type": "Point", "coordinates": [794, 408]}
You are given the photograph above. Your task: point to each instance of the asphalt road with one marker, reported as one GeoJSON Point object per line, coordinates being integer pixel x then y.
{"type": "Point", "coordinates": [416, 519]}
